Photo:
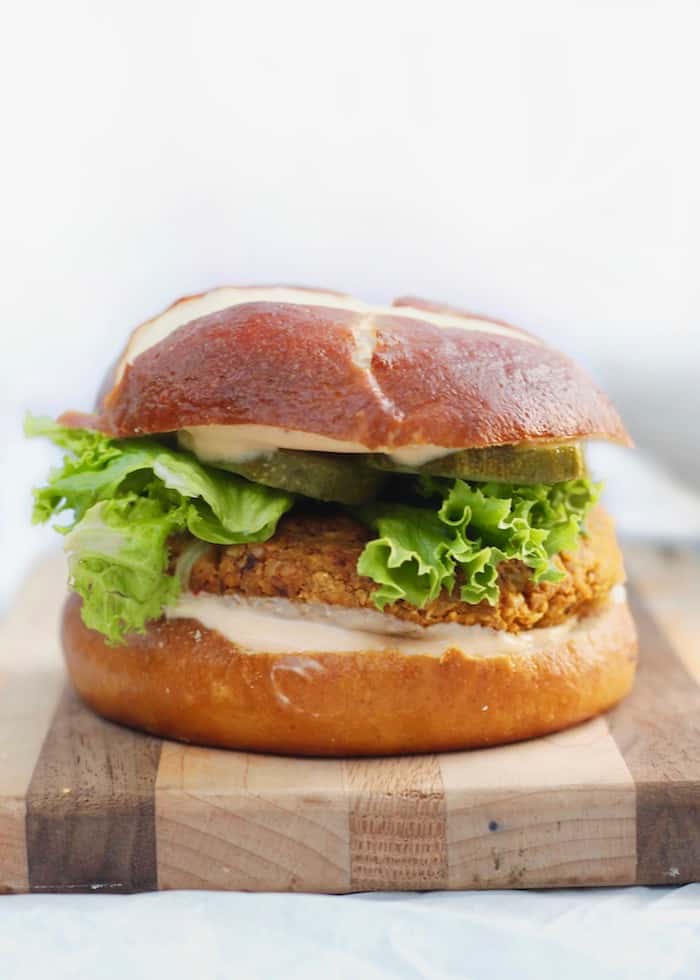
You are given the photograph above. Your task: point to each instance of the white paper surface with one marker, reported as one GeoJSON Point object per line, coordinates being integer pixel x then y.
{"type": "Point", "coordinates": [639, 933]}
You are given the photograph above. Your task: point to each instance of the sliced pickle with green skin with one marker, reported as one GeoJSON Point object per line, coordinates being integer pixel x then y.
{"type": "Point", "coordinates": [500, 464]}
{"type": "Point", "coordinates": [342, 479]}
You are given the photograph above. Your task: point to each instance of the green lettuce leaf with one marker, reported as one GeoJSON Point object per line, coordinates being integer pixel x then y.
{"type": "Point", "coordinates": [414, 556]}
{"type": "Point", "coordinates": [119, 501]}
{"type": "Point", "coordinates": [127, 497]}
{"type": "Point", "coordinates": [463, 533]}
{"type": "Point", "coordinates": [117, 560]}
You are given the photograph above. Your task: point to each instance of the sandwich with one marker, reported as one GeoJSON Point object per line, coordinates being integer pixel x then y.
{"type": "Point", "coordinates": [302, 524]}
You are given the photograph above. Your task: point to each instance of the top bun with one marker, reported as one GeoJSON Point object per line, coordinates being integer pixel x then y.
{"type": "Point", "coordinates": [379, 378]}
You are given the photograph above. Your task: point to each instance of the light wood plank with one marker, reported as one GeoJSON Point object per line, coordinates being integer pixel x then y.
{"type": "Point", "coordinates": [31, 680]}
{"type": "Point", "coordinates": [27, 704]}
{"type": "Point", "coordinates": [658, 730]}
{"type": "Point", "coordinates": [398, 829]}
{"type": "Point", "coordinates": [555, 809]}
{"type": "Point", "coordinates": [668, 580]}
{"type": "Point", "coordinates": [233, 820]}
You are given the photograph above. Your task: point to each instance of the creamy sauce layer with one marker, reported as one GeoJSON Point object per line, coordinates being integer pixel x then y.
{"type": "Point", "coordinates": [278, 626]}
{"type": "Point", "coordinates": [239, 443]}
{"type": "Point", "coordinates": [160, 327]}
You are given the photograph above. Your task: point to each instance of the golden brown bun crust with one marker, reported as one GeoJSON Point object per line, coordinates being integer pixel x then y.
{"type": "Point", "coordinates": [296, 366]}
{"type": "Point", "coordinates": [183, 681]}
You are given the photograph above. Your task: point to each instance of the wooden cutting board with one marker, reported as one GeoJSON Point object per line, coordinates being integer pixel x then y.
{"type": "Point", "coordinates": [86, 805]}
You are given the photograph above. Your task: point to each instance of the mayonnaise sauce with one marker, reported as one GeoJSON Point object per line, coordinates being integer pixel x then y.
{"type": "Point", "coordinates": [277, 626]}
{"type": "Point", "coordinates": [240, 443]}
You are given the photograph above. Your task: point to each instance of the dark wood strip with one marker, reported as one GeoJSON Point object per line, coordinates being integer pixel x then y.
{"type": "Point", "coordinates": [91, 806]}
{"type": "Point", "coordinates": [658, 731]}
{"type": "Point", "coordinates": [398, 823]}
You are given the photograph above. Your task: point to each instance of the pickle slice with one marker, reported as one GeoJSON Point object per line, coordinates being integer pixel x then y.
{"type": "Point", "coordinates": [502, 464]}
{"type": "Point", "coordinates": [341, 478]}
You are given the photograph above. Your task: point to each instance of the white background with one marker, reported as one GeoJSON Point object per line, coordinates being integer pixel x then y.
{"type": "Point", "coordinates": [536, 161]}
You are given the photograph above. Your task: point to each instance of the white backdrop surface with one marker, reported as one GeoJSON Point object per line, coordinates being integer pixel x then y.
{"type": "Point", "coordinates": [537, 162]}
{"type": "Point", "coordinates": [602, 934]}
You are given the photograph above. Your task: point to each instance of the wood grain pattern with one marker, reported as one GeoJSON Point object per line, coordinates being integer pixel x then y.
{"type": "Point", "coordinates": [86, 805]}
{"type": "Point", "coordinates": [658, 731]}
{"type": "Point", "coordinates": [260, 823]}
{"type": "Point", "coordinates": [31, 681]}
{"type": "Point", "coordinates": [27, 704]}
{"type": "Point", "coordinates": [90, 806]}
{"type": "Point", "coordinates": [557, 808]}
{"type": "Point", "coordinates": [667, 579]}
{"type": "Point", "coordinates": [398, 830]}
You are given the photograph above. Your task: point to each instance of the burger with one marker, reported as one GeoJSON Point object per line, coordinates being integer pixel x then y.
{"type": "Point", "coordinates": [298, 523]}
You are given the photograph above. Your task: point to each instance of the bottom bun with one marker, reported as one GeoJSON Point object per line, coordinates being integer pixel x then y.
{"type": "Point", "coordinates": [186, 682]}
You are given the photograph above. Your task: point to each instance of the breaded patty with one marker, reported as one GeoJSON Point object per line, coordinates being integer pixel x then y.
{"type": "Point", "coordinates": [313, 558]}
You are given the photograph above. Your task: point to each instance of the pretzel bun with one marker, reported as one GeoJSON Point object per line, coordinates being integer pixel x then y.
{"type": "Point", "coordinates": [187, 682]}
{"type": "Point", "coordinates": [366, 377]}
